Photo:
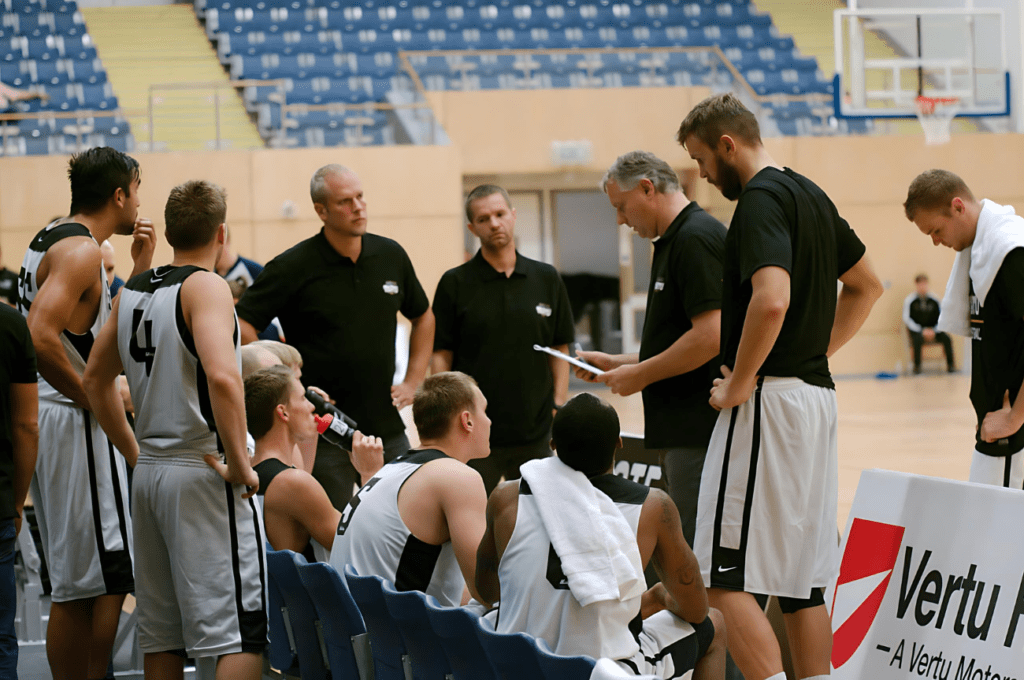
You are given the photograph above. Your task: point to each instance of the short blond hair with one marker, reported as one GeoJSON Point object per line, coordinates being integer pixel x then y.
{"type": "Point", "coordinates": [288, 355]}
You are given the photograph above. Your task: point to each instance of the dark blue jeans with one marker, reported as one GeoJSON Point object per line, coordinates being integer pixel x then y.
{"type": "Point", "coordinates": [8, 606]}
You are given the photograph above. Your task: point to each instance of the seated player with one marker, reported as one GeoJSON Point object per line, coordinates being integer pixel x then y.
{"type": "Point", "coordinates": [418, 522]}
{"type": "Point", "coordinates": [295, 506]}
{"type": "Point", "coordinates": [592, 599]}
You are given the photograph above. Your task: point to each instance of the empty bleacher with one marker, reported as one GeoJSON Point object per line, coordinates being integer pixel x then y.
{"type": "Point", "coordinates": [329, 52]}
{"type": "Point", "coordinates": [45, 48]}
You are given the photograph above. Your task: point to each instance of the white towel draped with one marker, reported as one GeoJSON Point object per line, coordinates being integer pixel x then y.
{"type": "Point", "coordinates": [999, 231]}
{"type": "Point", "coordinates": [595, 544]}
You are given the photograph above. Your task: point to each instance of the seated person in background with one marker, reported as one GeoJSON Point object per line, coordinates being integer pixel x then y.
{"type": "Point", "coordinates": [295, 506]}
{"type": "Point", "coordinates": [418, 522]}
{"type": "Point", "coordinates": [565, 551]}
{"type": "Point", "coordinates": [921, 313]}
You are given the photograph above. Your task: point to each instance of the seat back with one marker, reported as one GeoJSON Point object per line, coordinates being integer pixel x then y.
{"type": "Point", "coordinates": [385, 638]}
{"type": "Point", "coordinates": [512, 656]}
{"type": "Point", "coordinates": [302, 615]}
{"type": "Point", "coordinates": [456, 632]}
{"type": "Point", "coordinates": [556, 667]}
{"type": "Point", "coordinates": [345, 637]}
{"type": "Point", "coordinates": [282, 647]}
{"type": "Point", "coordinates": [409, 611]}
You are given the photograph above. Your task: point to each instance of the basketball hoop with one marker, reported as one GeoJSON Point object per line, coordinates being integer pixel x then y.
{"type": "Point", "coordinates": [936, 115]}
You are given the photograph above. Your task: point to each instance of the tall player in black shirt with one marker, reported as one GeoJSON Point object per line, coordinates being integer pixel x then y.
{"type": "Point", "coordinates": [776, 434]}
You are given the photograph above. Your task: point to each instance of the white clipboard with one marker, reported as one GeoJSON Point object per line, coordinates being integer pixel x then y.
{"type": "Point", "coordinates": [572, 360]}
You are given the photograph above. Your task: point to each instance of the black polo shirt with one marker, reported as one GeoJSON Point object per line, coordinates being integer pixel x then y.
{"type": "Point", "coordinates": [686, 281]}
{"type": "Point", "coordinates": [490, 323]}
{"type": "Point", "coordinates": [783, 219]}
{"type": "Point", "coordinates": [17, 365]}
{"type": "Point", "coordinates": [342, 315]}
{"type": "Point", "coordinates": [997, 349]}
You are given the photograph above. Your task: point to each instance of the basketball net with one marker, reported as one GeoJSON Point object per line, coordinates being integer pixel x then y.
{"type": "Point", "coordinates": [936, 115]}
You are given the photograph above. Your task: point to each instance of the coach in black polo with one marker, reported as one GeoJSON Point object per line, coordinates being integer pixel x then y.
{"type": "Point", "coordinates": [490, 313]}
{"type": "Point", "coordinates": [680, 339]}
{"type": "Point", "coordinates": [338, 294]}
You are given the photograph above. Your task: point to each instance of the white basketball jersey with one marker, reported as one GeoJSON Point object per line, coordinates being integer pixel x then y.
{"type": "Point", "coordinates": [77, 347]}
{"type": "Point", "coordinates": [535, 595]}
{"type": "Point", "coordinates": [373, 538]}
{"type": "Point", "coordinates": [173, 415]}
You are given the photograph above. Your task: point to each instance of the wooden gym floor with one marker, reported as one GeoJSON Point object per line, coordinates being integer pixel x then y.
{"type": "Point", "coordinates": [921, 424]}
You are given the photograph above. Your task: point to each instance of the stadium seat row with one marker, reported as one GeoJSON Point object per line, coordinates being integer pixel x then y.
{"type": "Point", "coordinates": [369, 41]}
{"type": "Point", "coordinates": [49, 48]}
{"type": "Point", "coordinates": [70, 97]}
{"type": "Point", "coordinates": [28, 72]}
{"type": "Point", "coordinates": [32, 7]}
{"type": "Point", "coordinates": [364, 616]}
{"type": "Point", "coordinates": [457, 17]}
{"type": "Point", "coordinates": [39, 145]}
{"type": "Point", "coordinates": [40, 25]}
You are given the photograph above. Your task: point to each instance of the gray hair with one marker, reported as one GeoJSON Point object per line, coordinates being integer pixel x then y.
{"type": "Point", "coordinates": [629, 168]}
{"type": "Point", "coordinates": [318, 185]}
{"type": "Point", "coordinates": [483, 191]}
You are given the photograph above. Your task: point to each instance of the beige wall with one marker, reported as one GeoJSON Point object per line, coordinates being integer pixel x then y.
{"type": "Point", "coordinates": [414, 193]}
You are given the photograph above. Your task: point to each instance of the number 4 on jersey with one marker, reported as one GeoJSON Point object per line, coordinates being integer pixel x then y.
{"type": "Point", "coordinates": [142, 353]}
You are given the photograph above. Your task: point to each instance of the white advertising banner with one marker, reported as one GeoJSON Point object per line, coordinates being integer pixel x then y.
{"type": "Point", "coordinates": [931, 583]}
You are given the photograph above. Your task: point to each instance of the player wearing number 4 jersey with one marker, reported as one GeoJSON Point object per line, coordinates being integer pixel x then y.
{"type": "Point", "coordinates": [419, 520]}
{"type": "Point", "coordinates": [174, 333]}
{"type": "Point", "coordinates": [80, 487]}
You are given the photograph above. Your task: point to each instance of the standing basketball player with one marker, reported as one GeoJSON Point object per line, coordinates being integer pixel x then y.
{"type": "Point", "coordinates": [80, 488]}
{"type": "Point", "coordinates": [984, 302]}
{"type": "Point", "coordinates": [200, 565]}
{"type": "Point", "coordinates": [766, 518]}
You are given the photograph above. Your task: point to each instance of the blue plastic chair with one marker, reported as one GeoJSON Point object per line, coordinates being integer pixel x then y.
{"type": "Point", "coordinates": [281, 653]}
{"type": "Point", "coordinates": [456, 632]}
{"type": "Point", "coordinates": [345, 637]}
{"type": "Point", "coordinates": [512, 656]}
{"type": "Point", "coordinates": [389, 657]}
{"type": "Point", "coordinates": [409, 611]}
{"type": "Point", "coordinates": [283, 565]}
{"type": "Point", "coordinates": [557, 667]}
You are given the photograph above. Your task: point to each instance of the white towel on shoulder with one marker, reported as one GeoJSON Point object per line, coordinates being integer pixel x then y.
{"type": "Point", "coordinates": [1000, 230]}
{"type": "Point", "coordinates": [595, 544]}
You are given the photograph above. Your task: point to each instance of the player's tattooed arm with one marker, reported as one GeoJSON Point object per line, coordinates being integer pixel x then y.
{"type": "Point", "coordinates": [676, 564]}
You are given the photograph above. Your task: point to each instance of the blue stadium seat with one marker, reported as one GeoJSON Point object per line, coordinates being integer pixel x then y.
{"type": "Point", "coordinates": [512, 656]}
{"type": "Point", "coordinates": [88, 71]}
{"type": "Point", "coordinates": [282, 565]}
{"type": "Point", "coordinates": [39, 146]}
{"type": "Point", "coordinates": [12, 50]}
{"type": "Point", "coordinates": [557, 667]}
{"type": "Point", "coordinates": [16, 73]}
{"type": "Point", "coordinates": [42, 49]}
{"type": "Point", "coordinates": [99, 96]}
{"type": "Point", "coordinates": [409, 611]}
{"type": "Point", "coordinates": [51, 72]}
{"type": "Point", "coordinates": [456, 632]}
{"type": "Point", "coordinates": [345, 637]}
{"type": "Point", "coordinates": [281, 652]}
{"type": "Point", "coordinates": [352, 18]}
{"type": "Point", "coordinates": [77, 47]}
{"type": "Point", "coordinates": [385, 638]}
{"type": "Point", "coordinates": [70, 23]}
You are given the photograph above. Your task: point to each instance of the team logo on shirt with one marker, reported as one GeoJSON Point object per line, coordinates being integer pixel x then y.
{"type": "Point", "coordinates": [872, 549]}
{"type": "Point", "coordinates": [391, 288]}
{"type": "Point", "coordinates": [659, 284]}
{"type": "Point", "coordinates": [544, 309]}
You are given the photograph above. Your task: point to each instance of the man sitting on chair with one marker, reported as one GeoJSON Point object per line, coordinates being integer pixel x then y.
{"type": "Point", "coordinates": [418, 521]}
{"type": "Point", "coordinates": [565, 551]}
{"type": "Point", "coordinates": [920, 314]}
{"type": "Point", "coordinates": [296, 508]}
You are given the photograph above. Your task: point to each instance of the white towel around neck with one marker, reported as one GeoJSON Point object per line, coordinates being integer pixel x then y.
{"type": "Point", "coordinates": [597, 547]}
{"type": "Point", "coordinates": [1000, 230]}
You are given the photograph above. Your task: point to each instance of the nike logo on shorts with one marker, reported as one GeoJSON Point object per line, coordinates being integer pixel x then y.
{"type": "Point", "coordinates": [722, 570]}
